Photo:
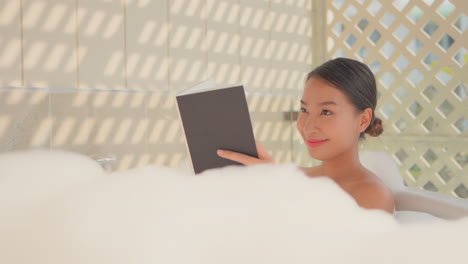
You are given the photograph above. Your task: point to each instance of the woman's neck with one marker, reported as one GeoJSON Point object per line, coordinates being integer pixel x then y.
{"type": "Point", "coordinates": [342, 167]}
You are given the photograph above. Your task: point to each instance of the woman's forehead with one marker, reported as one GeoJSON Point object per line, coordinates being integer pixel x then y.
{"type": "Point", "coordinates": [317, 90]}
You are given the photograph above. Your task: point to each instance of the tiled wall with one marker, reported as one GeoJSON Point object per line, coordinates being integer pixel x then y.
{"type": "Point", "coordinates": [99, 77]}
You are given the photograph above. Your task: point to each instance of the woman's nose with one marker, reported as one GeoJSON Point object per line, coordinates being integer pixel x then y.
{"type": "Point", "coordinates": [310, 125]}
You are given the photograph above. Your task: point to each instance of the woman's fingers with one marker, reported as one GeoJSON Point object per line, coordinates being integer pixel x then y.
{"type": "Point", "coordinates": [263, 156]}
{"type": "Point", "coordinates": [238, 157]}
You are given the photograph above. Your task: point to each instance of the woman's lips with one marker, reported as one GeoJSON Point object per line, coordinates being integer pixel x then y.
{"type": "Point", "coordinates": [315, 142]}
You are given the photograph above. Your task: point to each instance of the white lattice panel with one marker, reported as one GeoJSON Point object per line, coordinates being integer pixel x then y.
{"type": "Point", "coordinates": [418, 51]}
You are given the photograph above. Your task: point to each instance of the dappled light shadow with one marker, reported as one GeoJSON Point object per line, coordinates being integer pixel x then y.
{"type": "Point", "coordinates": [99, 77]}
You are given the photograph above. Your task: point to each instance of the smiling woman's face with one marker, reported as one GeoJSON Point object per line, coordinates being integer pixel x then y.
{"type": "Point", "coordinates": [329, 123]}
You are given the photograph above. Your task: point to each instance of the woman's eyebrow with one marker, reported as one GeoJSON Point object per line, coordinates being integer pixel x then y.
{"type": "Point", "coordinates": [322, 103]}
{"type": "Point", "coordinates": [327, 103]}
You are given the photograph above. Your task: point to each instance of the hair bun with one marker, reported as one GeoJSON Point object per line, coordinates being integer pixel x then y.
{"type": "Point", "coordinates": [375, 128]}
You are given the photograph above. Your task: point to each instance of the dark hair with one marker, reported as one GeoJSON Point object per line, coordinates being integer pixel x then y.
{"type": "Point", "coordinates": [357, 82]}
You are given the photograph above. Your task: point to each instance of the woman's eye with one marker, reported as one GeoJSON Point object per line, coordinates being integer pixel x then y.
{"type": "Point", "coordinates": [326, 112]}
{"type": "Point", "coordinates": [303, 110]}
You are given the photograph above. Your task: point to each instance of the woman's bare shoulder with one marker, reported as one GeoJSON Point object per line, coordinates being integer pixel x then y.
{"type": "Point", "coordinates": [374, 194]}
{"type": "Point", "coordinates": [369, 191]}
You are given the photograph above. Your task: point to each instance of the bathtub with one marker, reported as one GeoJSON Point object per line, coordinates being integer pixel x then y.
{"type": "Point", "coordinates": [62, 207]}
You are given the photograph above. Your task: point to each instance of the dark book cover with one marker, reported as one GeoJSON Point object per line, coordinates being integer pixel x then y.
{"type": "Point", "coordinates": [216, 119]}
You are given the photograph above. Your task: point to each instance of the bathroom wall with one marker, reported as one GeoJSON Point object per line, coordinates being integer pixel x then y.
{"type": "Point", "coordinates": [99, 77]}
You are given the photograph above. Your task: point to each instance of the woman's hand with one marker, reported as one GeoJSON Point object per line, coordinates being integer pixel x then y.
{"type": "Point", "coordinates": [263, 156]}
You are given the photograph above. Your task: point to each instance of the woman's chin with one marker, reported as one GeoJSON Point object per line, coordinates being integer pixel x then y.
{"type": "Point", "coordinates": [316, 154]}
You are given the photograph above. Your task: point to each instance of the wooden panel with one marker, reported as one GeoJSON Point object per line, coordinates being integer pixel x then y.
{"type": "Point", "coordinates": [24, 119]}
{"type": "Point", "coordinates": [186, 43]}
{"type": "Point", "coordinates": [222, 41]}
{"type": "Point", "coordinates": [270, 128]}
{"type": "Point", "coordinates": [10, 43]}
{"type": "Point", "coordinates": [49, 29]}
{"type": "Point", "coordinates": [147, 50]}
{"type": "Point", "coordinates": [120, 127]}
{"type": "Point", "coordinates": [255, 24]}
{"type": "Point", "coordinates": [291, 46]}
{"type": "Point", "coordinates": [72, 121]}
{"type": "Point", "coordinates": [101, 45]}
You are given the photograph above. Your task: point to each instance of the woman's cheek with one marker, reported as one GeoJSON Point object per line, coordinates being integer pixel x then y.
{"type": "Point", "coordinates": [300, 123]}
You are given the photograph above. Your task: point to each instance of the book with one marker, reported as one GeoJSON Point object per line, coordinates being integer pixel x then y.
{"type": "Point", "coordinates": [215, 118]}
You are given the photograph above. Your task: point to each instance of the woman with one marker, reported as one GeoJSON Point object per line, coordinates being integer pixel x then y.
{"type": "Point", "coordinates": [337, 109]}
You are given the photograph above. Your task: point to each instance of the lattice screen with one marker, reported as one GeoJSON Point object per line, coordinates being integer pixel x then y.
{"type": "Point", "coordinates": [418, 51]}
